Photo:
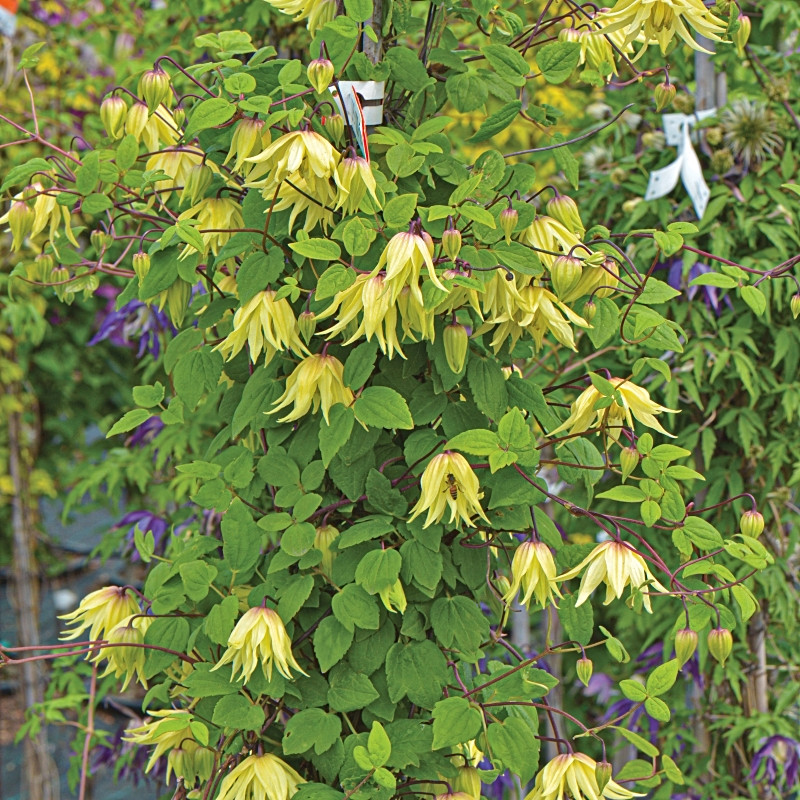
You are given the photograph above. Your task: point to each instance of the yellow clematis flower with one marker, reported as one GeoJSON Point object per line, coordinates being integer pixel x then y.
{"type": "Point", "coordinates": [127, 661]}
{"type": "Point", "coordinates": [300, 152]}
{"type": "Point", "coordinates": [550, 238]}
{"type": "Point", "coordinates": [259, 636]}
{"type": "Point", "coordinates": [264, 323]}
{"type": "Point", "coordinates": [101, 611]}
{"type": "Point", "coordinates": [218, 219]}
{"type": "Point", "coordinates": [177, 164]}
{"type": "Point", "coordinates": [533, 570]}
{"type": "Point", "coordinates": [403, 259]}
{"type": "Point", "coordinates": [572, 775]}
{"type": "Point", "coordinates": [318, 381]}
{"type": "Point", "coordinates": [47, 213]}
{"type": "Point", "coordinates": [449, 482]}
{"type": "Point", "coordinates": [264, 777]}
{"type": "Point", "coordinates": [317, 12]}
{"type": "Point", "coordinates": [355, 180]}
{"type": "Point", "coordinates": [630, 401]}
{"type": "Point", "coordinates": [616, 564]}
{"type": "Point", "coordinates": [660, 20]}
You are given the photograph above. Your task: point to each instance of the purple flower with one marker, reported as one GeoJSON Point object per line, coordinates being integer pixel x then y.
{"type": "Point", "coordinates": [145, 433]}
{"type": "Point", "coordinates": [145, 521]}
{"type": "Point", "coordinates": [134, 321]}
{"type": "Point", "coordinates": [127, 760]}
{"type": "Point", "coordinates": [776, 762]}
{"type": "Point", "coordinates": [710, 295]}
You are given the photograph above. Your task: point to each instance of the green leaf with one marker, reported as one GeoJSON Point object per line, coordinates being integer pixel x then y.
{"type": "Point", "coordinates": [331, 641]}
{"type": "Point", "coordinates": [558, 60]}
{"type": "Point", "coordinates": [656, 292]}
{"type": "Point", "coordinates": [623, 494]}
{"type": "Point", "coordinates": [241, 538]}
{"type": "Point", "coordinates": [319, 249]}
{"type": "Point", "coordinates": [662, 678]}
{"type": "Point", "coordinates": [417, 670]}
{"type": "Point", "coordinates": [208, 113]}
{"type": "Point", "coordinates": [148, 396]}
{"type": "Point", "coordinates": [650, 511]}
{"type": "Point", "coordinates": [702, 533]}
{"type": "Point", "coordinates": [657, 709]}
{"type": "Point", "coordinates": [350, 690]}
{"type": "Point", "coordinates": [240, 83]}
{"type": "Point", "coordinates": [335, 279]}
{"type": "Point", "coordinates": [130, 420]}
{"type": "Point", "coordinates": [379, 745]}
{"type": "Point", "coordinates": [309, 728]}
{"type": "Point", "coordinates": [457, 621]}
{"type": "Point", "coordinates": [353, 607]}
{"type": "Point", "coordinates": [455, 720]}
{"type": "Point", "coordinates": [196, 577]}
{"type": "Point", "coordinates": [398, 211]}
{"type": "Point", "coordinates": [238, 714]}
{"type": "Point", "coordinates": [514, 743]}
{"type": "Point", "coordinates": [488, 387]}
{"type": "Point", "coordinates": [466, 91]}
{"type": "Point", "coordinates": [639, 742]}
{"type": "Point", "coordinates": [754, 298]}
{"type": "Point", "coordinates": [294, 596]}
{"type": "Point", "coordinates": [633, 690]}
{"type": "Point", "coordinates": [359, 365]}
{"type": "Point", "coordinates": [378, 570]}
{"type": "Point", "coordinates": [477, 214]}
{"type": "Point", "coordinates": [201, 682]}
{"type": "Point", "coordinates": [357, 236]}
{"type": "Point", "coordinates": [260, 392]}
{"type": "Point", "coordinates": [496, 122]}
{"type": "Point", "coordinates": [95, 204]}
{"type": "Point", "coordinates": [197, 373]}
{"type": "Point", "coordinates": [171, 633]}
{"type": "Point", "coordinates": [577, 622]}
{"type": "Point", "coordinates": [669, 242]}
{"type": "Point", "coordinates": [477, 442]}
{"type": "Point", "coordinates": [714, 279]}
{"type": "Point", "coordinates": [219, 622]}
{"type": "Point", "coordinates": [406, 69]}
{"type": "Point", "coordinates": [507, 63]}
{"type": "Point", "coordinates": [358, 10]}
{"type": "Point", "coordinates": [671, 770]}
{"type": "Point", "coordinates": [363, 531]}
{"type": "Point", "coordinates": [333, 436]}
{"type": "Point", "coordinates": [382, 407]}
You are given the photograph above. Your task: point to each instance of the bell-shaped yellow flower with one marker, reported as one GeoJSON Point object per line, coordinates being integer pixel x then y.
{"type": "Point", "coordinates": [660, 20]}
{"type": "Point", "coordinates": [218, 219]}
{"type": "Point", "coordinates": [127, 661]}
{"type": "Point", "coordinates": [355, 180]}
{"type": "Point", "coordinates": [300, 152]}
{"type": "Point", "coordinates": [264, 323]}
{"type": "Point", "coordinates": [318, 381]}
{"type": "Point", "coordinates": [259, 636]}
{"type": "Point", "coordinates": [47, 213]}
{"type": "Point", "coordinates": [264, 777]}
{"type": "Point", "coordinates": [449, 482]}
{"type": "Point", "coordinates": [249, 136]}
{"type": "Point", "coordinates": [572, 775]}
{"type": "Point", "coordinates": [533, 570]}
{"type": "Point", "coordinates": [171, 728]}
{"type": "Point", "coordinates": [403, 259]}
{"type": "Point", "coordinates": [617, 565]}
{"type": "Point", "coordinates": [317, 12]}
{"type": "Point", "coordinates": [177, 163]}
{"type": "Point", "coordinates": [101, 611]}
{"type": "Point", "coordinates": [550, 238]}
{"type": "Point", "coordinates": [630, 401]}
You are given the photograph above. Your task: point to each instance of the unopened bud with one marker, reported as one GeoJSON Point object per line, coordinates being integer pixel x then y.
{"type": "Point", "coordinates": [179, 116]}
{"type": "Point", "coordinates": [29, 193]}
{"type": "Point", "coordinates": [307, 324]}
{"type": "Point", "coordinates": [752, 523]}
{"type": "Point", "coordinates": [794, 304]}
{"type": "Point", "coordinates": [665, 94]}
{"type": "Point", "coordinates": [602, 774]}
{"type": "Point", "coordinates": [177, 300]}
{"type": "Point", "coordinates": [20, 220]}
{"type": "Point", "coordinates": [742, 35]}
{"type": "Point", "coordinates": [628, 461]}
{"type": "Point", "coordinates": [141, 265]}
{"type": "Point", "coordinates": [685, 645]}
{"type": "Point", "coordinates": [610, 278]}
{"type": "Point", "coordinates": [456, 343]}
{"type": "Point", "coordinates": [59, 276]}
{"type": "Point", "coordinates": [100, 241]}
{"type": "Point", "coordinates": [468, 782]}
{"type": "Point", "coordinates": [334, 127]}
{"type": "Point", "coordinates": [565, 210]}
{"type": "Point", "coordinates": [589, 310]}
{"type": "Point", "coordinates": [198, 179]}
{"type": "Point", "coordinates": [136, 121]}
{"type": "Point", "coordinates": [584, 669]}
{"type": "Point", "coordinates": [320, 74]}
{"type": "Point", "coordinates": [509, 217]}
{"type": "Point", "coordinates": [451, 243]}
{"type": "Point", "coordinates": [113, 111]}
{"type": "Point", "coordinates": [154, 88]}
{"type": "Point", "coordinates": [565, 273]}
{"type": "Point", "coordinates": [720, 644]}
{"type": "Point", "coordinates": [714, 135]}
{"type": "Point", "coordinates": [43, 267]}
{"type": "Point", "coordinates": [569, 35]}
{"type": "Point", "coordinates": [323, 538]}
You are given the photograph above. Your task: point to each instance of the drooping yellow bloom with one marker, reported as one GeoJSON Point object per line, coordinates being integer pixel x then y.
{"type": "Point", "coordinates": [218, 219]}
{"type": "Point", "coordinates": [394, 597]}
{"type": "Point", "coordinates": [250, 136]}
{"type": "Point", "coordinates": [630, 401]}
{"type": "Point", "coordinates": [318, 12]}
{"type": "Point", "coordinates": [415, 319]}
{"type": "Point", "coordinates": [318, 381]}
{"type": "Point", "coordinates": [369, 297]}
{"type": "Point", "coordinates": [264, 323]}
{"type": "Point", "coordinates": [177, 163]}
{"type": "Point", "coordinates": [572, 775]}
{"type": "Point", "coordinates": [355, 180]}
{"type": "Point", "coordinates": [534, 571]}
{"type": "Point", "coordinates": [550, 238]}
{"type": "Point", "coordinates": [127, 661]}
{"type": "Point", "coordinates": [403, 259]}
{"type": "Point", "coordinates": [616, 564]}
{"type": "Point", "coordinates": [264, 777]}
{"type": "Point", "coordinates": [101, 611]}
{"type": "Point", "coordinates": [47, 213]}
{"type": "Point", "coordinates": [155, 130]}
{"type": "Point", "coordinates": [449, 482]}
{"type": "Point", "coordinates": [259, 636]}
{"type": "Point", "coordinates": [660, 20]}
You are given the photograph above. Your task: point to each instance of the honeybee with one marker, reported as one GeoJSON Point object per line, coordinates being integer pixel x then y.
{"type": "Point", "coordinates": [452, 486]}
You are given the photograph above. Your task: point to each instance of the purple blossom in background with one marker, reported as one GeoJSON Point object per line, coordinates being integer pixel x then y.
{"type": "Point", "coordinates": [55, 12]}
{"type": "Point", "coordinates": [777, 762]}
{"type": "Point", "coordinates": [134, 322]}
{"type": "Point", "coordinates": [111, 755]}
{"type": "Point", "coordinates": [710, 295]}
{"type": "Point", "coordinates": [145, 433]}
{"type": "Point", "coordinates": [145, 521]}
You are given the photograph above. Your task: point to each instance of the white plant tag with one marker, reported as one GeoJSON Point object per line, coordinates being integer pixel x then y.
{"type": "Point", "coordinates": [692, 176]}
{"type": "Point", "coordinates": [673, 124]}
{"type": "Point", "coordinates": [664, 180]}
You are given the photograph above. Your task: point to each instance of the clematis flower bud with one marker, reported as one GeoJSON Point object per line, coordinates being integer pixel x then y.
{"type": "Point", "coordinates": [307, 324]}
{"type": "Point", "coordinates": [136, 121]}
{"type": "Point", "coordinates": [584, 669]}
{"type": "Point", "coordinates": [113, 111]}
{"type": "Point", "coordinates": [154, 88]}
{"type": "Point", "coordinates": [177, 299]}
{"type": "Point", "coordinates": [602, 774]}
{"type": "Point", "coordinates": [664, 94]}
{"type": "Point", "coordinates": [100, 240]}
{"type": "Point", "coordinates": [794, 304]}
{"type": "Point", "coordinates": [720, 644]}
{"type": "Point", "coordinates": [334, 127]}
{"type": "Point", "coordinates": [565, 273]}
{"type": "Point", "coordinates": [565, 210]}
{"type": "Point", "coordinates": [141, 265]}
{"type": "Point", "coordinates": [456, 343]}
{"type": "Point", "coordinates": [685, 645]}
{"type": "Point", "coordinates": [323, 538]}
{"type": "Point", "coordinates": [20, 219]}
{"type": "Point", "coordinates": [43, 267]}
{"type": "Point", "coordinates": [509, 217]}
{"type": "Point", "coordinates": [393, 597]}
{"type": "Point", "coordinates": [569, 35]}
{"type": "Point", "coordinates": [628, 461]}
{"type": "Point", "coordinates": [451, 243]}
{"type": "Point", "coordinates": [589, 310]}
{"type": "Point", "coordinates": [752, 523]}
{"type": "Point", "coordinates": [467, 782]}
{"type": "Point", "coordinates": [742, 35]}
{"type": "Point", "coordinates": [320, 74]}
{"type": "Point", "coordinates": [58, 276]}
{"type": "Point", "coordinates": [198, 179]}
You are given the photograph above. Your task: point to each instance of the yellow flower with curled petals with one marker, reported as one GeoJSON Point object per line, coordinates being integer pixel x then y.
{"type": "Point", "coordinates": [317, 12]}
{"type": "Point", "coordinates": [572, 775]}
{"type": "Point", "coordinates": [533, 570]}
{"type": "Point", "coordinates": [264, 323]}
{"type": "Point", "coordinates": [218, 218]}
{"type": "Point", "coordinates": [403, 259]}
{"type": "Point", "coordinates": [630, 401]}
{"type": "Point", "coordinates": [101, 611]}
{"type": "Point", "coordinates": [127, 661]}
{"type": "Point", "coordinates": [260, 777]}
{"type": "Point", "coordinates": [177, 163]}
{"type": "Point", "coordinates": [259, 637]}
{"type": "Point", "coordinates": [355, 181]}
{"type": "Point", "coordinates": [318, 381]}
{"type": "Point", "coordinates": [449, 482]}
{"type": "Point", "coordinates": [660, 21]}
{"type": "Point", "coordinates": [550, 238]}
{"type": "Point", "coordinates": [617, 565]}
{"type": "Point", "coordinates": [300, 152]}
{"type": "Point", "coordinates": [47, 213]}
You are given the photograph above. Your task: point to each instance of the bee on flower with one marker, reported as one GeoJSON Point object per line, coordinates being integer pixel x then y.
{"type": "Point", "coordinates": [617, 565]}
{"type": "Point", "coordinates": [259, 636]}
{"type": "Point", "coordinates": [101, 611]}
{"type": "Point", "coordinates": [316, 381]}
{"type": "Point", "coordinates": [573, 775]}
{"type": "Point", "coordinates": [218, 218]}
{"type": "Point", "coordinates": [264, 324]}
{"type": "Point", "coordinates": [448, 481]}
{"type": "Point", "coordinates": [533, 571]}
{"type": "Point", "coordinates": [260, 777]}
{"type": "Point", "coordinates": [629, 401]}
